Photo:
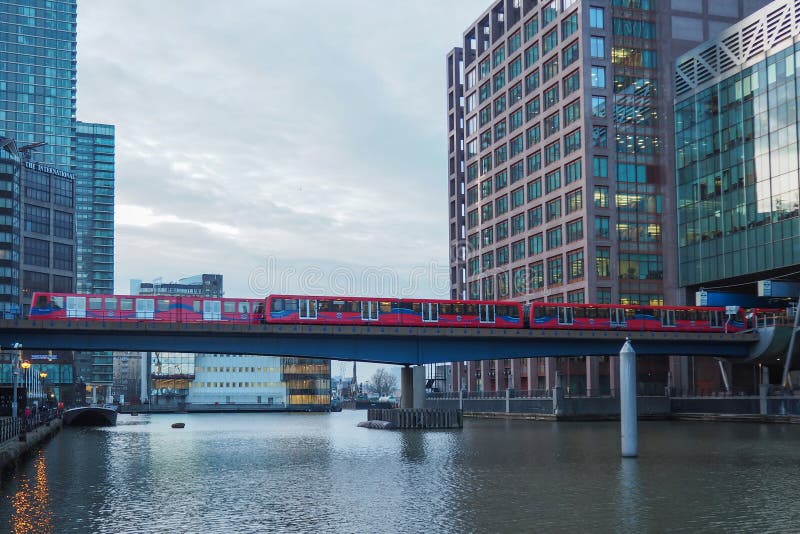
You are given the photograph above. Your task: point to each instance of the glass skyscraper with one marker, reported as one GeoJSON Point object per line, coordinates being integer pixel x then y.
{"type": "Point", "coordinates": [94, 172]}
{"type": "Point", "coordinates": [38, 77]}
{"type": "Point", "coordinates": [736, 137]}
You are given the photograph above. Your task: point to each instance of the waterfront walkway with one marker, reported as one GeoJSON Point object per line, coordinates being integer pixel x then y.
{"type": "Point", "coordinates": [19, 437]}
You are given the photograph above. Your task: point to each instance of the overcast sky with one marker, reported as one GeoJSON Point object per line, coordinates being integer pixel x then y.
{"type": "Point", "coordinates": [290, 146]}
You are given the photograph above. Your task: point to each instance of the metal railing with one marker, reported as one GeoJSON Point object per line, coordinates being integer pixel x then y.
{"type": "Point", "coordinates": [11, 428]}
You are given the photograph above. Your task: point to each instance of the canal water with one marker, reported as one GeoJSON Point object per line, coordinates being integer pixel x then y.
{"type": "Point", "coordinates": [319, 472]}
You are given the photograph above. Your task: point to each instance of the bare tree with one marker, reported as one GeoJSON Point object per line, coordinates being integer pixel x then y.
{"type": "Point", "coordinates": [383, 382]}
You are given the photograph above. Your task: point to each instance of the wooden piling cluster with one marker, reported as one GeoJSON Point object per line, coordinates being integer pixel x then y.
{"type": "Point", "coordinates": [422, 418]}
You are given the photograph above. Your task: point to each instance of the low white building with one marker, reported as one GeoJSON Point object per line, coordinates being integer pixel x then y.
{"type": "Point", "coordinates": [237, 379]}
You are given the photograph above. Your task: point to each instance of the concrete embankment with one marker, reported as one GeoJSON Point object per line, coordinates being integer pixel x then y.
{"type": "Point", "coordinates": [707, 417]}
{"type": "Point", "coordinates": [13, 449]}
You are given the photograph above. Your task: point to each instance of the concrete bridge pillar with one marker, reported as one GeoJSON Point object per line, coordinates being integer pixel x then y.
{"type": "Point", "coordinates": [515, 379]}
{"type": "Point", "coordinates": [407, 387]}
{"type": "Point", "coordinates": [419, 386]}
{"type": "Point", "coordinates": [592, 376]}
{"type": "Point", "coordinates": [627, 400]}
{"type": "Point", "coordinates": [613, 375]}
{"type": "Point", "coordinates": [550, 366]}
{"type": "Point", "coordinates": [558, 394]}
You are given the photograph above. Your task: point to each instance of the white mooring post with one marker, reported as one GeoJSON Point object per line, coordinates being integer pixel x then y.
{"type": "Point", "coordinates": [627, 399]}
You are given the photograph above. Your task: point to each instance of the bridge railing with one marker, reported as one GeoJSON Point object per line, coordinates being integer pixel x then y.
{"type": "Point", "coordinates": [11, 428]}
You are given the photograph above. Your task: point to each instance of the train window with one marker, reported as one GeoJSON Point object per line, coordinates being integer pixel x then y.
{"type": "Point", "coordinates": [229, 307]}
{"type": "Point", "coordinates": [244, 307]}
{"type": "Point", "coordinates": [197, 305]}
{"type": "Point", "coordinates": [470, 309]}
{"type": "Point", "coordinates": [95, 303]}
{"type": "Point", "coordinates": [616, 316]}
{"type": "Point", "coordinates": [458, 309]}
{"type": "Point", "coordinates": [323, 305]}
{"type": "Point", "coordinates": [163, 305]}
{"type": "Point", "coordinates": [126, 304]}
{"type": "Point", "coordinates": [446, 309]}
{"type": "Point", "coordinates": [276, 305]}
{"type": "Point", "coordinates": [630, 313]}
{"type": "Point", "coordinates": [111, 303]}
{"type": "Point", "coordinates": [41, 301]}
{"type": "Point", "coordinates": [338, 306]}
{"type": "Point", "coordinates": [591, 312]}
{"type": "Point", "coordinates": [56, 302]}
{"type": "Point", "coordinates": [578, 312]}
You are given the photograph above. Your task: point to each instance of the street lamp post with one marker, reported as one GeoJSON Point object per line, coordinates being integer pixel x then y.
{"type": "Point", "coordinates": [15, 378]}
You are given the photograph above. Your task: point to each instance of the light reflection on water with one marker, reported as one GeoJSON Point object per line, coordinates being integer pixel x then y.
{"type": "Point", "coordinates": [319, 472]}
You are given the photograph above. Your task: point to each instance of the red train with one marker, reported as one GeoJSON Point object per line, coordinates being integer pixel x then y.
{"type": "Point", "coordinates": [304, 309]}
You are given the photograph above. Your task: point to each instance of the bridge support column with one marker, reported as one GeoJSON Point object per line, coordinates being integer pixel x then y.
{"type": "Point", "coordinates": [763, 391]}
{"type": "Point", "coordinates": [407, 387]}
{"type": "Point", "coordinates": [628, 416]}
{"type": "Point", "coordinates": [592, 376]}
{"type": "Point", "coordinates": [419, 386]}
{"type": "Point", "coordinates": [558, 395]}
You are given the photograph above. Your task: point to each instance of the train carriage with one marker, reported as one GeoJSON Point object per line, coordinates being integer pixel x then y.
{"type": "Point", "coordinates": [303, 309]}
{"type": "Point", "coordinates": [179, 309]}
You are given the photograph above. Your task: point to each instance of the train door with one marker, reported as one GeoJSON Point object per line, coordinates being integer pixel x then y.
{"type": "Point", "coordinates": [369, 311]}
{"type": "Point", "coordinates": [486, 313]}
{"type": "Point", "coordinates": [76, 307]}
{"type": "Point", "coordinates": [243, 308]}
{"type": "Point", "coordinates": [668, 318]}
{"type": "Point", "coordinates": [145, 308]}
{"type": "Point", "coordinates": [565, 315]}
{"type": "Point", "coordinates": [212, 310]}
{"type": "Point", "coordinates": [617, 317]}
{"type": "Point", "coordinates": [308, 308]}
{"type": "Point", "coordinates": [430, 312]}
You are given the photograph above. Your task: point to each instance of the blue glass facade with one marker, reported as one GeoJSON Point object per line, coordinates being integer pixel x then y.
{"type": "Point", "coordinates": [737, 160]}
{"type": "Point", "coordinates": [9, 226]}
{"type": "Point", "coordinates": [94, 173]}
{"type": "Point", "coordinates": [38, 77]}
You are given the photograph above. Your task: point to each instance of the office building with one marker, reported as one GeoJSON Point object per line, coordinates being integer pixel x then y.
{"type": "Point", "coordinates": [38, 77]}
{"type": "Point", "coordinates": [736, 145]}
{"type": "Point", "coordinates": [94, 194]}
{"type": "Point", "coordinates": [561, 162]}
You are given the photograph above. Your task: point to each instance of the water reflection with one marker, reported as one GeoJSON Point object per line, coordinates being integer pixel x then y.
{"type": "Point", "coordinates": [32, 512]}
{"type": "Point", "coordinates": [319, 472]}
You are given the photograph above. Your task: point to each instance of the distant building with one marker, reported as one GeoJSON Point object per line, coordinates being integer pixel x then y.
{"type": "Point", "coordinates": [127, 376]}
{"type": "Point", "coordinates": [214, 381]}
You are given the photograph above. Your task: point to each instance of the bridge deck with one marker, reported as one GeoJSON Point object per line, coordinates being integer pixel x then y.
{"type": "Point", "coordinates": [382, 344]}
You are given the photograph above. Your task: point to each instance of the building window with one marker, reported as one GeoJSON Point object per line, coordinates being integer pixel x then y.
{"type": "Point", "coordinates": [598, 106]}
{"type": "Point", "coordinates": [486, 188]}
{"type": "Point", "coordinates": [487, 261]}
{"type": "Point", "coordinates": [536, 275]}
{"type": "Point", "coordinates": [484, 68]}
{"type": "Point", "coordinates": [572, 171]}
{"type": "Point", "coordinates": [551, 97]}
{"type": "Point", "coordinates": [532, 108]}
{"type": "Point", "coordinates": [62, 257]}
{"type": "Point", "coordinates": [603, 295]}
{"type": "Point", "coordinates": [549, 41]}
{"type": "Point", "coordinates": [552, 152]}
{"type": "Point", "coordinates": [596, 17]}
{"type": "Point", "coordinates": [502, 256]}
{"type": "Point", "coordinates": [518, 224]}
{"type": "Point", "coordinates": [552, 181]}
{"type": "Point", "coordinates": [517, 171]}
{"type": "Point", "coordinates": [531, 27]}
{"type": "Point", "coordinates": [572, 112]}
{"type": "Point", "coordinates": [532, 82]}
{"type": "Point", "coordinates": [599, 136]}
{"type": "Point", "coordinates": [37, 219]}
{"type": "Point", "coordinates": [63, 224]}
{"type": "Point", "coordinates": [569, 26]}
{"type": "Point", "coordinates": [518, 282]}
{"type": "Point", "coordinates": [573, 200]}
{"type": "Point", "coordinates": [553, 209]}
{"type": "Point", "coordinates": [603, 262]}
{"type": "Point", "coordinates": [576, 297]}
{"type": "Point", "coordinates": [570, 55]}
{"type": "Point", "coordinates": [597, 46]}
{"type": "Point", "coordinates": [515, 68]}
{"type": "Point", "coordinates": [535, 244]}
{"type": "Point", "coordinates": [534, 217]}
{"type": "Point", "coordinates": [533, 162]}
{"type": "Point", "coordinates": [487, 236]}
{"type": "Point", "coordinates": [598, 76]}
{"type": "Point", "coordinates": [534, 189]}
{"type": "Point", "coordinates": [487, 212]}
{"type": "Point", "coordinates": [514, 42]}
{"type": "Point", "coordinates": [600, 166]}
{"type": "Point", "coordinates": [515, 95]}
{"type": "Point", "coordinates": [485, 92]}
{"type": "Point", "coordinates": [499, 80]}
{"type": "Point", "coordinates": [601, 227]}
{"type": "Point", "coordinates": [472, 219]}
{"type": "Point", "coordinates": [501, 205]}
{"type": "Point", "coordinates": [600, 196]}
{"type": "Point", "coordinates": [500, 180]}
{"type": "Point", "coordinates": [500, 130]}
{"type": "Point", "coordinates": [501, 155]}
{"type": "Point", "coordinates": [575, 265]}
{"type": "Point", "coordinates": [499, 56]}
{"type": "Point", "coordinates": [550, 69]}
{"type": "Point", "coordinates": [472, 171]}
{"type": "Point", "coordinates": [517, 198]}
{"type": "Point", "coordinates": [555, 271]}
{"type": "Point", "coordinates": [531, 55]}
{"type": "Point", "coordinates": [551, 124]}
{"type": "Point", "coordinates": [502, 285]}
{"type": "Point", "coordinates": [516, 121]}
{"type": "Point", "coordinates": [37, 252]}
{"type": "Point", "coordinates": [572, 142]}
{"type": "Point", "coordinates": [549, 13]}
{"type": "Point", "coordinates": [574, 230]}
{"type": "Point", "coordinates": [485, 115]}
{"type": "Point", "coordinates": [499, 105]}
